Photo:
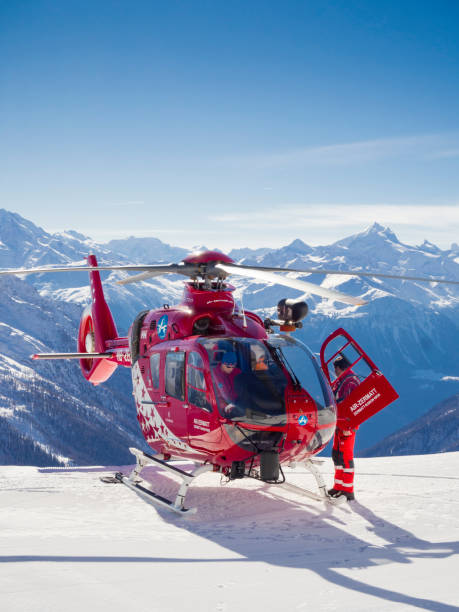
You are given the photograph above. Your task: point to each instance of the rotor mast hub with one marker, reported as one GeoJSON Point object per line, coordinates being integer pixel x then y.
{"type": "Point", "coordinates": [201, 299]}
{"type": "Point", "coordinates": [204, 262]}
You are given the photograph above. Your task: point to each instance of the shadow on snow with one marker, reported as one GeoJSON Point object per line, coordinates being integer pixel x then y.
{"type": "Point", "coordinates": [260, 525]}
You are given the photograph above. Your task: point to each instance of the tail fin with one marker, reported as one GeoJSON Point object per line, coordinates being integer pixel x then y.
{"type": "Point", "coordinates": [96, 327]}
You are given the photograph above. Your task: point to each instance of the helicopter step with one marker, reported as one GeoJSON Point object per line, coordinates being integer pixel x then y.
{"type": "Point", "coordinates": [136, 483]}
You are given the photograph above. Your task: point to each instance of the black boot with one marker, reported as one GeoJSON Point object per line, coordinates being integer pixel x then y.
{"type": "Point", "coordinates": [337, 493]}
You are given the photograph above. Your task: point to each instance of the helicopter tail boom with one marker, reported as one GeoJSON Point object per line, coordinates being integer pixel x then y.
{"type": "Point", "coordinates": [71, 355]}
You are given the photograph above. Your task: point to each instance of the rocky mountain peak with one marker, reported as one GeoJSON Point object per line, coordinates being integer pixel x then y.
{"type": "Point", "coordinates": [379, 230]}
{"type": "Point", "coordinates": [429, 247]}
{"type": "Point", "coordinates": [300, 247]}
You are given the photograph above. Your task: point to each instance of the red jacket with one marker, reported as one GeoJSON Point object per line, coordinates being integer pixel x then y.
{"type": "Point", "coordinates": [225, 384]}
{"type": "Point", "coordinates": [343, 386]}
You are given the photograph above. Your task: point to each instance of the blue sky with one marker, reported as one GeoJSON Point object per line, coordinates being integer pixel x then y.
{"type": "Point", "coordinates": [231, 123]}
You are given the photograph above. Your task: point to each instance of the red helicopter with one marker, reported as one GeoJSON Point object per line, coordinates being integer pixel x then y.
{"type": "Point", "coordinates": [216, 385]}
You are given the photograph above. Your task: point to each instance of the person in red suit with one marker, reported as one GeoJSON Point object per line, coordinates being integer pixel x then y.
{"type": "Point", "coordinates": [344, 440]}
{"type": "Point", "coordinates": [224, 375]}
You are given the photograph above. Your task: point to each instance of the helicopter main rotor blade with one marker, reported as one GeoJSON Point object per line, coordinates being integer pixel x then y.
{"type": "Point", "coordinates": [153, 270]}
{"type": "Point", "coordinates": [264, 275]}
{"type": "Point", "coordinates": [138, 277]}
{"type": "Point", "coordinates": [352, 273]}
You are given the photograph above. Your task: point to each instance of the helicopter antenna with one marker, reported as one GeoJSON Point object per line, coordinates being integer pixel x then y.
{"type": "Point", "coordinates": [244, 319]}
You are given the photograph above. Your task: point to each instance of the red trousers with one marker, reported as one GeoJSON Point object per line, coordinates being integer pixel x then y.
{"type": "Point", "coordinates": [343, 458]}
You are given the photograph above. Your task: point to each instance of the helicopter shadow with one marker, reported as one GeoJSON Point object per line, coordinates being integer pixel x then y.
{"type": "Point", "coordinates": [261, 525]}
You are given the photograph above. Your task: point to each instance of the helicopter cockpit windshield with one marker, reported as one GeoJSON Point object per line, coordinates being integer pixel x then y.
{"type": "Point", "coordinates": [306, 373]}
{"type": "Point", "coordinates": [250, 378]}
{"type": "Point", "coordinates": [249, 383]}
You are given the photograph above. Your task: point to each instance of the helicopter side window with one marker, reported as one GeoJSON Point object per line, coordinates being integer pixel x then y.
{"type": "Point", "coordinates": [196, 382]}
{"type": "Point", "coordinates": [154, 367]}
{"type": "Point", "coordinates": [175, 375]}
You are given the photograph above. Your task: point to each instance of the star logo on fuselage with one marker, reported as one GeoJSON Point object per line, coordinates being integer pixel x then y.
{"type": "Point", "coordinates": [162, 327]}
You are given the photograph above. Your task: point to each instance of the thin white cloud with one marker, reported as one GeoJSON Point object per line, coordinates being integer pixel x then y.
{"type": "Point", "coordinates": [128, 203]}
{"type": "Point", "coordinates": [137, 232]}
{"type": "Point", "coordinates": [322, 223]}
{"type": "Point", "coordinates": [446, 154]}
{"type": "Point", "coordinates": [322, 215]}
{"type": "Point", "coordinates": [314, 223]}
{"type": "Point", "coordinates": [422, 146]}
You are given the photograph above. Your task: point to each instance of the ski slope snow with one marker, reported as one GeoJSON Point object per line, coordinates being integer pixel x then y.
{"type": "Point", "coordinates": [68, 542]}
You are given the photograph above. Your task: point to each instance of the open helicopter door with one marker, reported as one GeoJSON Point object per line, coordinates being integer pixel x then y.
{"type": "Point", "coordinates": [374, 391]}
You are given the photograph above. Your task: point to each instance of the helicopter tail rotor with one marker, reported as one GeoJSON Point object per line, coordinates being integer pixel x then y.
{"type": "Point", "coordinates": [96, 328]}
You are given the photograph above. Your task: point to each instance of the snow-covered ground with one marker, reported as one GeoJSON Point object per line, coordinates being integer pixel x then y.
{"type": "Point", "coordinates": [71, 543]}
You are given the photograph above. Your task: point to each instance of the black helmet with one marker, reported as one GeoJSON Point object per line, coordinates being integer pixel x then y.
{"type": "Point", "coordinates": [342, 362]}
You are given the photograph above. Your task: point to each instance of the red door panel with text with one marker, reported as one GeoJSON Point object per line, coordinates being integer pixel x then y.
{"type": "Point", "coordinates": [374, 391]}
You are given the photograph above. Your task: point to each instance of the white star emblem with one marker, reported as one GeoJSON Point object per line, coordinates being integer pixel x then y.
{"type": "Point", "coordinates": [162, 326]}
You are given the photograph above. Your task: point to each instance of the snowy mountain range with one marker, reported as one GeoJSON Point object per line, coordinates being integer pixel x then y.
{"type": "Point", "coordinates": [436, 431]}
{"type": "Point", "coordinates": [410, 329]}
{"type": "Point", "coordinates": [47, 416]}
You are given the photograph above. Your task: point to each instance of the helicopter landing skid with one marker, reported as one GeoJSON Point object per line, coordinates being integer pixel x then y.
{"type": "Point", "coordinates": [311, 466]}
{"type": "Point", "coordinates": [134, 481]}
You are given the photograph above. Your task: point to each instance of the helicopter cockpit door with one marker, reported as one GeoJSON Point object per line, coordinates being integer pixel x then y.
{"type": "Point", "coordinates": [204, 431]}
{"type": "Point", "coordinates": [374, 391]}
